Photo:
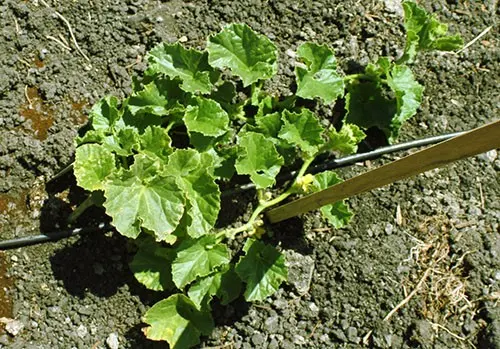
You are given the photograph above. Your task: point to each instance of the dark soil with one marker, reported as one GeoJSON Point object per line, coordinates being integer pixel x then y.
{"type": "Point", "coordinates": [444, 225]}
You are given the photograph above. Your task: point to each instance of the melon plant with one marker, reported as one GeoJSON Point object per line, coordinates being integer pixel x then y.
{"type": "Point", "coordinates": [197, 118]}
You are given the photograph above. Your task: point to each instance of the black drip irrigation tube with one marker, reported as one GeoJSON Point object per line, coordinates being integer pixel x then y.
{"type": "Point", "coordinates": [328, 165]}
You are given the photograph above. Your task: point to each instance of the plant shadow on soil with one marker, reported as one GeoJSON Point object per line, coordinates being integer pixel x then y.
{"type": "Point", "coordinates": [97, 263]}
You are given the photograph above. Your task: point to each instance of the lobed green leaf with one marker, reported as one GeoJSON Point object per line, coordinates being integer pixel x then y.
{"type": "Point", "coordinates": [262, 269]}
{"type": "Point", "coordinates": [193, 174]}
{"type": "Point", "coordinates": [206, 117]}
{"type": "Point", "coordinates": [249, 55]}
{"type": "Point", "coordinates": [141, 197]}
{"type": "Point", "coordinates": [337, 214]}
{"type": "Point", "coordinates": [425, 32]}
{"type": "Point", "coordinates": [346, 140]}
{"type": "Point", "coordinates": [190, 65]}
{"type": "Point", "coordinates": [258, 158]}
{"type": "Point", "coordinates": [151, 266]}
{"type": "Point", "coordinates": [177, 321]}
{"type": "Point", "coordinates": [93, 164]}
{"type": "Point", "coordinates": [198, 258]}
{"type": "Point", "coordinates": [408, 94]}
{"type": "Point", "coordinates": [320, 77]}
{"type": "Point", "coordinates": [303, 130]}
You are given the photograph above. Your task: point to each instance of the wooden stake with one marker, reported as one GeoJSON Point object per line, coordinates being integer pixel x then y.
{"type": "Point", "coordinates": [471, 143]}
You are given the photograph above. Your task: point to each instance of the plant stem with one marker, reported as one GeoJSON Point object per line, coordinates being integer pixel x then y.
{"type": "Point", "coordinates": [263, 205]}
{"type": "Point", "coordinates": [95, 198]}
{"type": "Point", "coordinates": [349, 78]}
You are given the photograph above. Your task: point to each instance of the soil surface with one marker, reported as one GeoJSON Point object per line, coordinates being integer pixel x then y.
{"type": "Point", "coordinates": [435, 236]}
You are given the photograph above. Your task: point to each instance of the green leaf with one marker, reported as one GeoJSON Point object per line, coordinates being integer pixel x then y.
{"type": "Point", "coordinates": [128, 140]}
{"type": "Point", "coordinates": [408, 94]}
{"type": "Point", "coordinates": [202, 291]}
{"type": "Point", "coordinates": [152, 266]}
{"type": "Point", "coordinates": [302, 130]}
{"type": "Point", "coordinates": [269, 124]}
{"type": "Point", "coordinates": [149, 100]}
{"type": "Point", "coordinates": [320, 77]}
{"type": "Point", "coordinates": [198, 258]}
{"type": "Point", "coordinates": [262, 269]}
{"type": "Point", "coordinates": [190, 65]}
{"type": "Point", "coordinates": [224, 283]}
{"type": "Point", "coordinates": [104, 114]}
{"type": "Point", "coordinates": [249, 55]}
{"type": "Point", "coordinates": [177, 321]}
{"type": "Point", "coordinates": [206, 117]}
{"type": "Point", "coordinates": [425, 32]}
{"type": "Point", "coordinates": [230, 286]}
{"type": "Point", "coordinates": [93, 163]}
{"type": "Point", "coordinates": [140, 197]}
{"type": "Point", "coordinates": [369, 105]}
{"type": "Point", "coordinates": [337, 214]}
{"type": "Point", "coordinates": [194, 177]}
{"type": "Point", "coordinates": [140, 121]}
{"type": "Point", "coordinates": [155, 141]}
{"type": "Point", "coordinates": [346, 140]}
{"type": "Point", "coordinates": [259, 159]}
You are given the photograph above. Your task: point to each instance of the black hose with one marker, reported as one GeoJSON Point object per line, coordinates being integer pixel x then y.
{"type": "Point", "coordinates": [53, 236]}
{"type": "Point", "coordinates": [352, 159]}
{"type": "Point", "coordinates": [329, 165]}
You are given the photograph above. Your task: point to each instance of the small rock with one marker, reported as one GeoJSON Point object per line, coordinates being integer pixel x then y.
{"type": "Point", "coordinates": [112, 341]}
{"type": "Point", "coordinates": [339, 335]}
{"type": "Point", "coordinates": [271, 324]}
{"type": "Point", "coordinates": [313, 307]}
{"type": "Point", "coordinates": [389, 228]}
{"type": "Point", "coordinates": [13, 327]}
{"type": "Point", "coordinates": [300, 270]}
{"type": "Point", "coordinates": [258, 339]}
{"type": "Point", "coordinates": [394, 6]}
{"type": "Point", "coordinates": [352, 334]}
{"type": "Point", "coordinates": [81, 331]}
{"type": "Point", "coordinates": [324, 338]}
{"type": "Point", "coordinates": [14, 258]}
{"type": "Point", "coordinates": [489, 156]}
{"type": "Point", "coordinates": [273, 344]}
{"type": "Point", "coordinates": [183, 39]}
{"type": "Point", "coordinates": [299, 340]}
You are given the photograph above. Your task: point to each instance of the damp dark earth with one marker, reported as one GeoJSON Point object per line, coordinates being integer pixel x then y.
{"type": "Point", "coordinates": [432, 239]}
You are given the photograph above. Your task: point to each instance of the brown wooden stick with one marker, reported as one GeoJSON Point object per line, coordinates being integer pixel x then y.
{"type": "Point", "coordinates": [468, 144]}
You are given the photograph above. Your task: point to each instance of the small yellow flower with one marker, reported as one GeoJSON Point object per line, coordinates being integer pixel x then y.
{"type": "Point", "coordinates": [304, 182]}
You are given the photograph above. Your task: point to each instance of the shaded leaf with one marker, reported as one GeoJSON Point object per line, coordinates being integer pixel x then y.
{"type": "Point", "coordinates": [104, 114]}
{"type": "Point", "coordinates": [262, 268]}
{"type": "Point", "coordinates": [369, 105]}
{"type": "Point", "coordinates": [151, 266]}
{"type": "Point", "coordinates": [224, 283]}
